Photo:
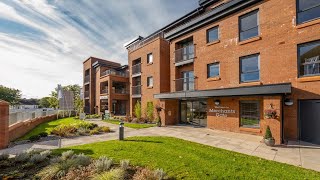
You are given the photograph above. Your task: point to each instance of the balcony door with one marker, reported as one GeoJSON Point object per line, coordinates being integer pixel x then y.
{"type": "Point", "coordinates": [188, 80]}
{"type": "Point", "coordinates": [187, 51]}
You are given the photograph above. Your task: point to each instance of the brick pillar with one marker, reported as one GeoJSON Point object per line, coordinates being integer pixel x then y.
{"type": "Point", "coordinates": [4, 124]}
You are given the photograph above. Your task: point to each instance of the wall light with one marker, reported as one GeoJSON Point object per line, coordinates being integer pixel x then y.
{"type": "Point", "coordinates": [217, 102]}
{"type": "Point", "coordinates": [288, 102]}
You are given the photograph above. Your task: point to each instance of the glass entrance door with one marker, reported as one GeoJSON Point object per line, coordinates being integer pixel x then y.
{"type": "Point", "coordinates": [193, 112]}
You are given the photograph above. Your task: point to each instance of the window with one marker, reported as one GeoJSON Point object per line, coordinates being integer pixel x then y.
{"type": "Point", "coordinates": [150, 81]}
{"type": "Point", "coordinates": [248, 25]}
{"type": "Point", "coordinates": [249, 114]}
{"type": "Point", "coordinates": [309, 59]}
{"type": "Point", "coordinates": [250, 68]}
{"type": "Point", "coordinates": [213, 34]}
{"type": "Point", "coordinates": [213, 70]}
{"type": "Point", "coordinates": [150, 58]}
{"type": "Point", "coordinates": [307, 10]}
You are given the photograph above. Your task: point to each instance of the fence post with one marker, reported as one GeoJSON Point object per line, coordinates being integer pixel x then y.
{"type": "Point", "coordinates": [4, 124]}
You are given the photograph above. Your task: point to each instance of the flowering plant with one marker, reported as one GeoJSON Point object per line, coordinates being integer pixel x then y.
{"type": "Point", "coordinates": [271, 114]}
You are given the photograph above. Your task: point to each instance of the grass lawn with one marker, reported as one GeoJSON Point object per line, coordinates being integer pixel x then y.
{"type": "Point", "coordinates": [130, 125]}
{"type": "Point", "coordinates": [187, 160]}
{"type": "Point", "coordinates": [48, 126]}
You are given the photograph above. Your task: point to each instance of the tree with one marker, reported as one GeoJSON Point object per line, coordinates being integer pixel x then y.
{"type": "Point", "coordinates": [79, 105]}
{"type": "Point", "coordinates": [44, 102]}
{"type": "Point", "coordinates": [150, 111]}
{"type": "Point", "coordinates": [137, 109]}
{"type": "Point", "coordinates": [10, 95]}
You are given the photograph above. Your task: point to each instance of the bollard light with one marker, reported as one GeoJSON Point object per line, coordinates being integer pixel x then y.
{"type": "Point", "coordinates": [121, 131]}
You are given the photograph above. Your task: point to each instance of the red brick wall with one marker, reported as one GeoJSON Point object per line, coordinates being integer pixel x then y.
{"type": "Point", "coordinates": [277, 45]}
{"type": "Point", "coordinates": [159, 70]}
{"type": "Point", "coordinates": [4, 124]}
{"type": "Point", "coordinates": [19, 129]}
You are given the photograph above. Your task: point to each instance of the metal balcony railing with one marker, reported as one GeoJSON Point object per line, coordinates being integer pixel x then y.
{"type": "Point", "coordinates": [136, 90]}
{"type": "Point", "coordinates": [86, 94]}
{"type": "Point", "coordinates": [136, 69]}
{"type": "Point", "coordinates": [120, 91]}
{"type": "Point", "coordinates": [115, 72]}
{"type": "Point", "coordinates": [104, 91]}
{"type": "Point", "coordinates": [184, 54]}
{"type": "Point", "coordinates": [87, 79]}
{"type": "Point", "coordinates": [185, 84]}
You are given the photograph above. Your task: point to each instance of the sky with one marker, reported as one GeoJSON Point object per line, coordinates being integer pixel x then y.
{"type": "Point", "coordinates": [44, 42]}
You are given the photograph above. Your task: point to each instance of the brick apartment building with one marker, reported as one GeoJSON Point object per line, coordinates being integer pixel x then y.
{"type": "Point", "coordinates": [105, 87]}
{"type": "Point", "coordinates": [235, 65]}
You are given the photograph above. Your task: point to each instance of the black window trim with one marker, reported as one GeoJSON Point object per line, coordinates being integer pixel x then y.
{"type": "Point", "coordinates": [207, 33]}
{"type": "Point", "coordinates": [298, 11]}
{"type": "Point", "coordinates": [298, 59]}
{"type": "Point", "coordinates": [258, 24]}
{"type": "Point", "coordinates": [148, 58]}
{"type": "Point", "coordinates": [208, 65]}
{"type": "Point", "coordinates": [259, 111]}
{"type": "Point", "coordinates": [240, 68]}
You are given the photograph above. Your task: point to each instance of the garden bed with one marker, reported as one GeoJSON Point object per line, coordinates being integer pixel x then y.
{"type": "Point", "coordinates": [68, 166]}
{"type": "Point", "coordinates": [65, 128]}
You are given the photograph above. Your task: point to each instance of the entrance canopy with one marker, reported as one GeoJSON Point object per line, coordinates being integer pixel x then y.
{"type": "Point", "coordinates": [239, 91]}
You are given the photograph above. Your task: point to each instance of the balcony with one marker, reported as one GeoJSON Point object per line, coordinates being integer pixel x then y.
{"type": "Point", "coordinates": [120, 91]}
{"type": "Point", "coordinates": [185, 84]}
{"type": "Point", "coordinates": [184, 55]}
{"type": "Point", "coordinates": [136, 91]}
{"type": "Point", "coordinates": [136, 70]}
{"type": "Point", "coordinates": [86, 94]}
{"type": "Point", "coordinates": [104, 91]}
{"type": "Point", "coordinates": [114, 72]}
{"type": "Point", "coordinates": [87, 79]}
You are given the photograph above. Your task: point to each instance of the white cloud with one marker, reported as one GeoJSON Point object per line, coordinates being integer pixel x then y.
{"type": "Point", "coordinates": [68, 32]}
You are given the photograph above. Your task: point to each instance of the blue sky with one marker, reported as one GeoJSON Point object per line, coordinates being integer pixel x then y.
{"type": "Point", "coordinates": [44, 42]}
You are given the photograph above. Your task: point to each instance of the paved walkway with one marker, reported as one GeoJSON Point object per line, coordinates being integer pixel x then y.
{"type": "Point", "coordinates": [306, 156]}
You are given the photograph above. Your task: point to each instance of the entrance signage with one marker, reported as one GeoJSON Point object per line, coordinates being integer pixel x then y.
{"type": "Point", "coordinates": [221, 111]}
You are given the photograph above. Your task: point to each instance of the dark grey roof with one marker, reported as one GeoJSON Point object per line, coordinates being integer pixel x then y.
{"type": "Point", "coordinates": [239, 91]}
{"type": "Point", "coordinates": [215, 14]}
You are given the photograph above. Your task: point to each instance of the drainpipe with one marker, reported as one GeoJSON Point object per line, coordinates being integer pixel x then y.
{"type": "Point", "coordinates": [282, 119]}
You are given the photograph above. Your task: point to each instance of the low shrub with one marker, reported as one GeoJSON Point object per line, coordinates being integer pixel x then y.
{"type": "Point", "coordinates": [22, 157]}
{"type": "Point", "coordinates": [43, 134]}
{"type": "Point", "coordinates": [4, 157]}
{"type": "Point", "coordinates": [124, 164]}
{"type": "Point", "coordinates": [46, 153]}
{"type": "Point", "coordinates": [104, 129]}
{"type": "Point", "coordinates": [34, 138]}
{"type": "Point", "coordinates": [83, 131]}
{"type": "Point", "coordinates": [80, 173]}
{"type": "Point", "coordinates": [49, 172]}
{"type": "Point", "coordinates": [67, 155]}
{"type": "Point", "coordinates": [37, 158]}
{"type": "Point", "coordinates": [86, 125]}
{"type": "Point", "coordinates": [113, 174]}
{"type": "Point", "coordinates": [102, 164]}
{"type": "Point", "coordinates": [94, 131]}
{"type": "Point", "coordinates": [76, 117]}
{"type": "Point", "coordinates": [148, 174]}
{"type": "Point", "coordinates": [64, 130]}
{"type": "Point", "coordinates": [82, 160]}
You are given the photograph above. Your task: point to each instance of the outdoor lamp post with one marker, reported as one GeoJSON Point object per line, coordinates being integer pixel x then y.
{"type": "Point", "coordinates": [121, 131]}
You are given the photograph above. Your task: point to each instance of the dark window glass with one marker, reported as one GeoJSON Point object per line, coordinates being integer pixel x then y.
{"type": "Point", "coordinates": [249, 25]}
{"type": "Point", "coordinates": [212, 34]}
{"type": "Point", "coordinates": [309, 59]}
{"type": "Point", "coordinates": [213, 70]}
{"type": "Point", "coordinates": [249, 114]}
{"type": "Point", "coordinates": [250, 68]}
{"type": "Point", "coordinates": [308, 10]}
